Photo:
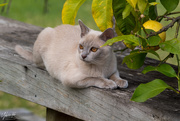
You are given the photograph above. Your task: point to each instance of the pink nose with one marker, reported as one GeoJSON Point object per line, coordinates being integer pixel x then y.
{"type": "Point", "coordinates": [83, 56]}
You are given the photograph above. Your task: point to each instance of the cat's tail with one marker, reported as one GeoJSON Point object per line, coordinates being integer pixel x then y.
{"type": "Point", "coordinates": [24, 53]}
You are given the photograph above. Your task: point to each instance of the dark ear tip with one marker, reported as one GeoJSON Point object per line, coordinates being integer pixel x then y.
{"type": "Point", "coordinates": [111, 30]}
{"type": "Point", "coordinates": [107, 34]}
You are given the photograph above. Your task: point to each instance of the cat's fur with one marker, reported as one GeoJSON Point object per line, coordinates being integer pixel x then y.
{"type": "Point", "coordinates": [58, 50]}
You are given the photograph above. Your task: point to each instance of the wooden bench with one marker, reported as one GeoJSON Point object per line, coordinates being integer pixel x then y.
{"type": "Point", "coordinates": [21, 78]}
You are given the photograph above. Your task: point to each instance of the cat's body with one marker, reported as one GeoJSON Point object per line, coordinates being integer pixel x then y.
{"type": "Point", "coordinates": [72, 54]}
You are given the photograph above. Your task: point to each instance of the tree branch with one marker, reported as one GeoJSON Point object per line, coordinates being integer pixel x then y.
{"type": "Point", "coordinates": [159, 18]}
{"type": "Point", "coordinates": [165, 28]}
{"type": "Point", "coordinates": [177, 29]}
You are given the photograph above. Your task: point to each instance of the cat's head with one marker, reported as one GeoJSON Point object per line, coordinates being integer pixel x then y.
{"type": "Point", "coordinates": [90, 49]}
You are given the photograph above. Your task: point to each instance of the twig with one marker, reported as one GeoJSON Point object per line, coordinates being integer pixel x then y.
{"type": "Point", "coordinates": [161, 17]}
{"type": "Point", "coordinates": [165, 28]}
{"type": "Point", "coordinates": [166, 58]}
{"type": "Point", "coordinates": [166, 14]}
{"type": "Point", "coordinates": [173, 13]}
{"type": "Point", "coordinates": [177, 29]}
{"type": "Point", "coordinates": [140, 20]}
{"type": "Point", "coordinates": [177, 57]}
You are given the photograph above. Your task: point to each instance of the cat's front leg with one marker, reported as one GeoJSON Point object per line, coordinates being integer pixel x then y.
{"type": "Point", "coordinates": [96, 82]}
{"type": "Point", "coordinates": [91, 82]}
{"type": "Point", "coordinates": [122, 83]}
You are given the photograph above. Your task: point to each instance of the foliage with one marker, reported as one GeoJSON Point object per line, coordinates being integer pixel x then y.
{"type": "Point", "coordinates": [130, 15]}
{"type": "Point", "coordinates": [3, 4]}
{"type": "Point", "coordinates": [151, 89]}
{"type": "Point", "coordinates": [70, 9]}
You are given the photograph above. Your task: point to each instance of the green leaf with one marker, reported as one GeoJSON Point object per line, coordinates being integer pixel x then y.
{"type": "Point", "coordinates": [172, 46]}
{"type": "Point", "coordinates": [127, 11]}
{"type": "Point", "coordinates": [154, 40]}
{"type": "Point", "coordinates": [69, 11]}
{"type": "Point", "coordinates": [151, 41]}
{"type": "Point", "coordinates": [132, 3]}
{"type": "Point", "coordinates": [154, 53]}
{"type": "Point", "coordinates": [148, 69]}
{"type": "Point", "coordinates": [165, 69]}
{"type": "Point", "coordinates": [119, 33]}
{"type": "Point", "coordinates": [135, 60]}
{"type": "Point", "coordinates": [142, 4]}
{"type": "Point", "coordinates": [129, 39]}
{"type": "Point", "coordinates": [102, 13]}
{"type": "Point", "coordinates": [152, 11]}
{"type": "Point", "coordinates": [170, 5]}
{"type": "Point", "coordinates": [145, 91]}
{"type": "Point", "coordinates": [142, 40]}
{"type": "Point", "coordinates": [125, 25]}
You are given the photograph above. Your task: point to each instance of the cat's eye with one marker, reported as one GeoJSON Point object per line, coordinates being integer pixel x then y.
{"type": "Point", "coordinates": [93, 49]}
{"type": "Point", "coordinates": [81, 47]}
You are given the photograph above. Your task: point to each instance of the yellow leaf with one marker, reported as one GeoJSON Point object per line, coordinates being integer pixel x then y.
{"type": "Point", "coordinates": [69, 11]}
{"type": "Point", "coordinates": [102, 13]}
{"type": "Point", "coordinates": [3, 4]}
{"type": "Point", "coordinates": [132, 3]}
{"type": "Point", "coordinates": [153, 3]}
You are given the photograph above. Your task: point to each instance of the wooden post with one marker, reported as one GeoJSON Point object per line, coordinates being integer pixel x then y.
{"type": "Point", "coordinates": [52, 115]}
{"type": "Point", "coordinates": [45, 9]}
{"type": "Point", "coordinates": [8, 7]}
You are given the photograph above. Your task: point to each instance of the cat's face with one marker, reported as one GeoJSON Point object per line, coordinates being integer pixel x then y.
{"type": "Point", "coordinates": [89, 46]}
{"type": "Point", "coordinates": [90, 51]}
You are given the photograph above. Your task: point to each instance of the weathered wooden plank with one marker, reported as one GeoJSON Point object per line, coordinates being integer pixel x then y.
{"type": "Point", "coordinates": [22, 79]}
{"type": "Point", "coordinates": [37, 86]}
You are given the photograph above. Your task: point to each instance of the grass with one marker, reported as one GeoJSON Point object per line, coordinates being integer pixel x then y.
{"type": "Point", "coordinates": [31, 11]}
{"type": "Point", "coordinates": [8, 101]}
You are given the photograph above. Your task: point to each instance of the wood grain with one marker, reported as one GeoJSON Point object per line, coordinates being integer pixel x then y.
{"type": "Point", "coordinates": [21, 78]}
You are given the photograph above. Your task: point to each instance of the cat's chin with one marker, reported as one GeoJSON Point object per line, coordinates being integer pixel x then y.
{"type": "Point", "coordinates": [85, 61]}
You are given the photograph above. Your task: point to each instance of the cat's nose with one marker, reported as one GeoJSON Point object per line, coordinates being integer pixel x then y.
{"type": "Point", "coordinates": [83, 56]}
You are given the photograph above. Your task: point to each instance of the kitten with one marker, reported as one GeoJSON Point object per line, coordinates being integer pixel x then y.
{"type": "Point", "coordinates": [72, 54]}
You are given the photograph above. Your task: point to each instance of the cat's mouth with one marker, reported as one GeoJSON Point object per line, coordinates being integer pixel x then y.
{"type": "Point", "coordinates": [85, 60]}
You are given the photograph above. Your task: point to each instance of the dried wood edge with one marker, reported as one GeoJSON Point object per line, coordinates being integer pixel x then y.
{"type": "Point", "coordinates": [93, 104]}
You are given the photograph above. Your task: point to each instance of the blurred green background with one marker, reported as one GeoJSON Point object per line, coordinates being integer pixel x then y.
{"type": "Point", "coordinates": [31, 11]}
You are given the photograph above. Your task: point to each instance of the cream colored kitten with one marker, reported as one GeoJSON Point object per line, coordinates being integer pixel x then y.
{"type": "Point", "coordinates": [72, 54]}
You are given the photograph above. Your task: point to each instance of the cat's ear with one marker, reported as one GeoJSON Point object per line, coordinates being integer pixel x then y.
{"type": "Point", "coordinates": [84, 28]}
{"type": "Point", "coordinates": [107, 34]}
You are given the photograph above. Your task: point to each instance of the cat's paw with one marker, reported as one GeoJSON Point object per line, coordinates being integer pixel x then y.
{"type": "Point", "coordinates": [122, 83]}
{"type": "Point", "coordinates": [108, 84]}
